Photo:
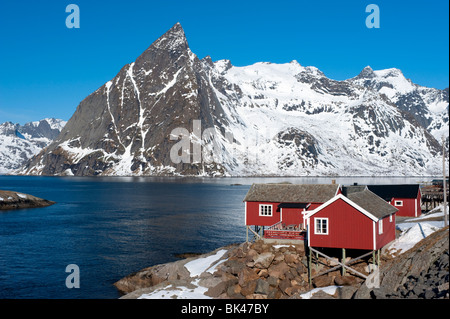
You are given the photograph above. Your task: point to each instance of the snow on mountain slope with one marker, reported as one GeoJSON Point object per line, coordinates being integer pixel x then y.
{"type": "Point", "coordinates": [292, 120]}
{"type": "Point", "coordinates": [428, 106]}
{"type": "Point", "coordinates": [19, 143]}
{"type": "Point", "coordinates": [262, 119]}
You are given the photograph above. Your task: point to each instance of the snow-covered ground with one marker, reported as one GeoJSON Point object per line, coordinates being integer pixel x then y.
{"type": "Point", "coordinates": [196, 267]}
{"type": "Point", "coordinates": [416, 229]}
{"type": "Point", "coordinates": [413, 231]}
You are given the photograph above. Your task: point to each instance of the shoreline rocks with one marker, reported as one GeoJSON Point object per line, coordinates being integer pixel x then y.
{"type": "Point", "coordinates": [261, 270]}
{"type": "Point", "coordinates": [10, 200]}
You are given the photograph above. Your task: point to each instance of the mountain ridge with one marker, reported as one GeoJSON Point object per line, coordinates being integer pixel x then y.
{"type": "Point", "coordinates": [262, 119]}
{"type": "Point", "coordinates": [18, 143]}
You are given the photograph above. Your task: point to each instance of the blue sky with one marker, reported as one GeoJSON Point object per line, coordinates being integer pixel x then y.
{"type": "Point", "coordinates": [46, 69]}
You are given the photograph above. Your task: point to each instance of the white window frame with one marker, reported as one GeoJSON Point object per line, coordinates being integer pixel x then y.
{"type": "Point", "coordinates": [398, 203]}
{"type": "Point", "coordinates": [262, 210]}
{"type": "Point", "coordinates": [380, 227]}
{"type": "Point", "coordinates": [318, 230]}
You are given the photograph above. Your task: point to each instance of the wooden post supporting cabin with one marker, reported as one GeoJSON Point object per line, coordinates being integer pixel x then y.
{"type": "Point", "coordinates": [343, 261]}
{"type": "Point", "coordinates": [378, 258]}
{"type": "Point", "coordinates": [373, 257]}
{"type": "Point", "coordinates": [247, 233]}
{"type": "Point", "coordinates": [309, 267]}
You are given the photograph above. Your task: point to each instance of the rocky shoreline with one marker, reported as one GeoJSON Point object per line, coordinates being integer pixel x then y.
{"type": "Point", "coordinates": [260, 270]}
{"type": "Point", "coordinates": [16, 200]}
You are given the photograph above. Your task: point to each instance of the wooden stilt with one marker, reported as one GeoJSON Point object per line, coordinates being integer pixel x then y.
{"type": "Point", "coordinates": [246, 230]}
{"type": "Point", "coordinates": [373, 258]}
{"type": "Point", "coordinates": [309, 267]}
{"type": "Point", "coordinates": [343, 261]}
{"type": "Point", "coordinates": [378, 258]}
{"type": "Point", "coordinates": [317, 261]}
{"type": "Point", "coordinates": [341, 265]}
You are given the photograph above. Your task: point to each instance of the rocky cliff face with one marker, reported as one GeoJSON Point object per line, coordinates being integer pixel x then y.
{"type": "Point", "coordinates": [170, 113]}
{"type": "Point", "coordinates": [421, 272]}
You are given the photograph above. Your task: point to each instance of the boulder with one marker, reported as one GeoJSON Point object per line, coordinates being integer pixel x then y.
{"type": "Point", "coordinates": [262, 287]}
{"type": "Point", "coordinates": [278, 270]}
{"type": "Point", "coordinates": [248, 288]}
{"type": "Point", "coordinates": [322, 281]}
{"type": "Point", "coordinates": [264, 260]}
{"type": "Point", "coordinates": [246, 275]}
{"type": "Point", "coordinates": [290, 258]}
{"type": "Point", "coordinates": [345, 280]}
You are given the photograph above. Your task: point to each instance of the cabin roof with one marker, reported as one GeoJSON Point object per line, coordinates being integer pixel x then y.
{"type": "Point", "coordinates": [346, 190]}
{"type": "Point", "coordinates": [291, 193]}
{"type": "Point", "coordinates": [366, 202]}
{"type": "Point", "coordinates": [372, 203]}
{"type": "Point", "coordinates": [387, 192]}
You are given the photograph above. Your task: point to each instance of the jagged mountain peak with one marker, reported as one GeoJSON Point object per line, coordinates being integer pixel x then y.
{"type": "Point", "coordinates": [173, 40]}
{"type": "Point", "coordinates": [366, 73]}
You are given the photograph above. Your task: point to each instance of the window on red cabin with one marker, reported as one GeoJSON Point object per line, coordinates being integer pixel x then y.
{"type": "Point", "coordinates": [321, 226]}
{"type": "Point", "coordinates": [265, 210]}
{"type": "Point", "coordinates": [398, 203]}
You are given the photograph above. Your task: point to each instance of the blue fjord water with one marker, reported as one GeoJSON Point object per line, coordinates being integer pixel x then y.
{"type": "Point", "coordinates": [113, 226]}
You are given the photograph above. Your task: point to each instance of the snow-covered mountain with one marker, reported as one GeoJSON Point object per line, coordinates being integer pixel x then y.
{"type": "Point", "coordinates": [19, 143]}
{"type": "Point", "coordinates": [156, 114]}
{"type": "Point", "coordinates": [429, 106]}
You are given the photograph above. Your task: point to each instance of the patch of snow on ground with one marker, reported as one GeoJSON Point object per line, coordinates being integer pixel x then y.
{"type": "Point", "coordinates": [195, 267]}
{"type": "Point", "coordinates": [416, 229]}
{"type": "Point", "coordinates": [331, 290]}
{"type": "Point", "coordinates": [178, 292]}
{"type": "Point", "coordinates": [22, 195]}
{"type": "Point", "coordinates": [200, 265]}
{"type": "Point", "coordinates": [412, 236]}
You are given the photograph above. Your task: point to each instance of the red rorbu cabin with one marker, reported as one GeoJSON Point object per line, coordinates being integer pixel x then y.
{"type": "Point", "coordinates": [277, 210]}
{"type": "Point", "coordinates": [362, 220]}
{"type": "Point", "coordinates": [407, 198]}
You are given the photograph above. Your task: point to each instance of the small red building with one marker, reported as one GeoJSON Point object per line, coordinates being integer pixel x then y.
{"type": "Point", "coordinates": [407, 198]}
{"type": "Point", "coordinates": [277, 210]}
{"type": "Point", "coordinates": [362, 220]}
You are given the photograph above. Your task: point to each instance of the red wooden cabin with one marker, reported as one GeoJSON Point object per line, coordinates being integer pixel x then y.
{"type": "Point", "coordinates": [280, 207]}
{"type": "Point", "coordinates": [362, 220]}
{"type": "Point", "coordinates": [407, 198]}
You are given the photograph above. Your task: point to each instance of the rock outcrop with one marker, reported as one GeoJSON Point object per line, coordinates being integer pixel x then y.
{"type": "Point", "coordinates": [17, 200]}
{"type": "Point", "coordinates": [250, 271]}
{"type": "Point", "coordinates": [264, 271]}
{"type": "Point", "coordinates": [421, 272]}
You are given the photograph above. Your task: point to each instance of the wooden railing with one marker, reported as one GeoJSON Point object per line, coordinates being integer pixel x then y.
{"type": "Point", "coordinates": [280, 231]}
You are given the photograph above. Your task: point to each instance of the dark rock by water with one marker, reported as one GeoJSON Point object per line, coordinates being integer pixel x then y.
{"type": "Point", "coordinates": [16, 200]}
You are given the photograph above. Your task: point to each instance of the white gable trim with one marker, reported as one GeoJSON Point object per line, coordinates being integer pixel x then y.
{"type": "Point", "coordinates": [374, 236]}
{"type": "Point", "coordinates": [345, 199]}
{"type": "Point", "coordinates": [338, 189]}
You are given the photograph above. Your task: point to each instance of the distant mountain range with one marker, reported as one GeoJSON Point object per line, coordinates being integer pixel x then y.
{"type": "Point", "coordinates": [156, 114]}
{"type": "Point", "coordinates": [18, 143]}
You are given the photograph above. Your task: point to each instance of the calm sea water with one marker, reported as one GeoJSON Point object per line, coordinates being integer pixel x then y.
{"type": "Point", "coordinates": [113, 226]}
